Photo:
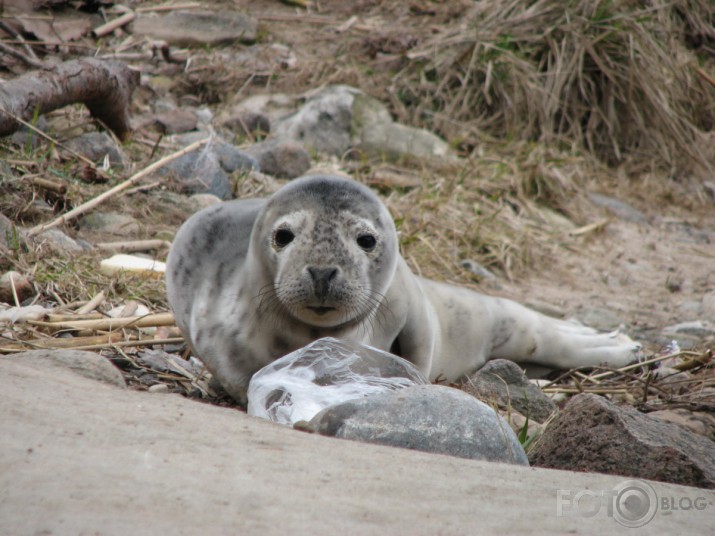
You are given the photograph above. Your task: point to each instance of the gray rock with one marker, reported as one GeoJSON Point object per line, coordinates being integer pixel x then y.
{"type": "Point", "coordinates": [429, 418]}
{"type": "Point", "coordinates": [324, 122]}
{"type": "Point", "coordinates": [274, 106]}
{"type": "Point", "coordinates": [59, 242]}
{"type": "Point", "coordinates": [504, 382]}
{"type": "Point", "coordinates": [696, 328]}
{"type": "Point", "coordinates": [340, 118]}
{"type": "Point", "coordinates": [281, 158]}
{"type": "Point", "coordinates": [26, 137]}
{"type": "Point", "coordinates": [376, 134]}
{"type": "Point", "coordinates": [187, 28]}
{"type": "Point", "coordinates": [618, 208]}
{"type": "Point", "coordinates": [97, 145]}
{"type": "Point", "coordinates": [599, 318]}
{"type": "Point", "coordinates": [233, 159]}
{"type": "Point", "coordinates": [86, 364]}
{"type": "Point", "coordinates": [477, 269]}
{"type": "Point", "coordinates": [110, 222]}
{"type": "Point", "coordinates": [708, 304]}
{"type": "Point", "coordinates": [204, 115]}
{"type": "Point", "coordinates": [592, 434]}
{"type": "Point", "coordinates": [199, 172]}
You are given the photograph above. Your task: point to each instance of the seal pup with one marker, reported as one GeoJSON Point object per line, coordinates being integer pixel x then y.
{"type": "Point", "coordinates": [252, 280]}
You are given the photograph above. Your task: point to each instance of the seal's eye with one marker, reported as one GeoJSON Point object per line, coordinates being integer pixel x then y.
{"type": "Point", "coordinates": [283, 237]}
{"type": "Point", "coordinates": [367, 242]}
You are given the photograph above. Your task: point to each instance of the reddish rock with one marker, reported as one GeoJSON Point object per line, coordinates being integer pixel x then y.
{"type": "Point", "coordinates": [15, 284]}
{"type": "Point", "coordinates": [592, 434]}
{"type": "Point", "coordinates": [176, 121]}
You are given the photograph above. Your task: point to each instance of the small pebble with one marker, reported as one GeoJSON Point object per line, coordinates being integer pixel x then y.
{"type": "Point", "coordinates": [477, 269]}
{"type": "Point", "coordinates": [159, 388]}
{"type": "Point", "coordinates": [674, 282]}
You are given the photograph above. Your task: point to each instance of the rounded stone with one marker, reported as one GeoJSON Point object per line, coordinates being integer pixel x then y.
{"type": "Point", "coordinates": [429, 418]}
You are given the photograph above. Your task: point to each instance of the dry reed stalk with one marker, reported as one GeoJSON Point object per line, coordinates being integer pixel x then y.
{"type": "Point", "coordinates": [68, 343]}
{"type": "Point", "coordinates": [54, 317]}
{"type": "Point", "coordinates": [132, 246]}
{"type": "Point", "coordinates": [92, 304]}
{"type": "Point", "coordinates": [633, 366]}
{"type": "Point", "coordinates": [138, 342]}
{"type": "Point", "coordinates": [108, 324]}
{"type": "Point", "coordinates": [594, 390]}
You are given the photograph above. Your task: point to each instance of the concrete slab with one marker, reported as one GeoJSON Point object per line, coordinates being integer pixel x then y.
{"type": "Point", "coordinates": [82, 457]}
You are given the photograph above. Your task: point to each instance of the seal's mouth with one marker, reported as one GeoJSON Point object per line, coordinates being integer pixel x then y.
{"type": "Point", "coordinates": [320, 311]}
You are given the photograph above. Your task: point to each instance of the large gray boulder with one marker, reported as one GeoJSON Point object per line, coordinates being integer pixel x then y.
{"type": "Point", "coordinates": [79, 456]}
{"type": "Point", "coordinates": [430, 418]}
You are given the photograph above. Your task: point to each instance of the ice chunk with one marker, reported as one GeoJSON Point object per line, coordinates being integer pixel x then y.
{"type": "Point", "coordinates": [326, 372]}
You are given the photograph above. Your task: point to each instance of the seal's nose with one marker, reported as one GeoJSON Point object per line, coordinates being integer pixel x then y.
{"type": "Point", "coordinates": [322, 276]}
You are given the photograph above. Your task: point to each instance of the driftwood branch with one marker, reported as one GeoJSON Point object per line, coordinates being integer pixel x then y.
{"type": "Point", "coordinates": [105, 87]}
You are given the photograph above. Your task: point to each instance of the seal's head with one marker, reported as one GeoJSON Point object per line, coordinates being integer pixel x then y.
{"type": "Point", "coordinates": [330, 247]}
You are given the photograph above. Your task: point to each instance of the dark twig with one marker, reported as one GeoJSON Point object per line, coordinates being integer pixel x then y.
{"type": "Point", "coordinates": [37, 64]}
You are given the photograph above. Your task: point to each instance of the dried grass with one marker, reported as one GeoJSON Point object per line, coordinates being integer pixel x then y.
{"type": "Point", "coordinates": [687, 382]}
{"type": "Point", "coordinates": [504, 212]}
{"type": "Point", "coordinates": [616, 76]}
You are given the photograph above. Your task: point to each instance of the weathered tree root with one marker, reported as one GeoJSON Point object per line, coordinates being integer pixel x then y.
{"type": "Point", "coordinates": [104, 86]}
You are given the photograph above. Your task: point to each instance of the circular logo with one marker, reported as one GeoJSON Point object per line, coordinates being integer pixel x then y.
{"type": "Point", "coordinates": [635, 503]}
